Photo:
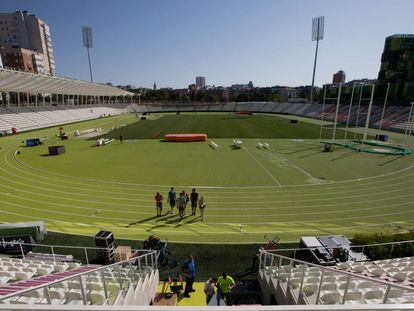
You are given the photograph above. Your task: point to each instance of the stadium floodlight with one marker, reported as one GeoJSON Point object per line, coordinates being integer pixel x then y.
{"type": "Point", "coordinates": [318, 27]}
{"type": "Point", "coordinates": [88, 43]}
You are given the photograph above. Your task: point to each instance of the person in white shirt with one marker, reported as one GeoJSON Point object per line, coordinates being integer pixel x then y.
{"type": "Point", "coordinates": [209, 288]}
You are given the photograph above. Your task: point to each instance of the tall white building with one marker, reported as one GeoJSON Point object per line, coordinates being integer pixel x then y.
{"type": "Point", "coordinates": [20, 30]}
{"type": "Point", "coordinates": [200, 82]}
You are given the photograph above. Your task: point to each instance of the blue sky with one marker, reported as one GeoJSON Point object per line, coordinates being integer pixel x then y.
{"type": "Point", "coordinates": [228, 41]}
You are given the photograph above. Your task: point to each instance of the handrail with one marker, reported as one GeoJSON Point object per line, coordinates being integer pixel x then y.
{"type": "Point", "coordinates": [351, 274]}
{"type": "Point", "coordinates": [52, 247]}
{"type": "Point", "coordinates": [347, 307]}
{"type": "Point", "coordinates": [351, 246]}
{"type": "Point", "coordinates": [148, 253]}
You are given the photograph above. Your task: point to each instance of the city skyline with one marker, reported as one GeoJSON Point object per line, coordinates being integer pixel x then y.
{"type": "Point", "coordinates": [139, 42]}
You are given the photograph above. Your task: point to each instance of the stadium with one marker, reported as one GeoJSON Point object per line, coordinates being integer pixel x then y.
{"type": "Point", "coordinates": [113, 200]}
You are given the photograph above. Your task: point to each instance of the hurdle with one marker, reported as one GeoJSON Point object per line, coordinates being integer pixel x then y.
{"type": "Point", "coordinates": [237, 143]}
{"type": "Point", "coordinates": [266, 145]}
{"type": "Point", "coordinates": [259, 145]}
{"type": "Point", "coordinates": [213, 145]}
{"type": "Point", "coordinates": [104, 141]}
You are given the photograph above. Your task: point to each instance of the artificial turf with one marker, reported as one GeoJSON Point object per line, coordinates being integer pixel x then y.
{"type": "Point", "coordinates": [220, 126]}
{"type": "Point", "coordinates": [291, 189]}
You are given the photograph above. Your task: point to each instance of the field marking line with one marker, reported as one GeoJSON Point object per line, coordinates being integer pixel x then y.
{"type": "Point", "coordinates": [268, 173]}
{"type": "Point", "coordinates": [332, 183]}
{"type": "Point", "coordinates": [123, 193]}
{"type": "Point", "coordinates": [217, 223]}
{"type": "Point", "coordinates": [174, 231]}
{"type": "Point", "coordinates": [222, 203]}
{"type": "Point", "coordinates": [297, 167]}
{"type": "Point", "coordinates": [211, 215]}
{"type": "Point", "coordinates": [217, 215]}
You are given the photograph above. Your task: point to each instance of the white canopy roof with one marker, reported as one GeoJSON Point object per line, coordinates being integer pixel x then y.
{"type": "Point", "coordinates": [24, 82]}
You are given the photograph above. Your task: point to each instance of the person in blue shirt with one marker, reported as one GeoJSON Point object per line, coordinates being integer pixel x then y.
{"type": "Point", "coordinates": [172, 199]}
{"type": "Point", "coordinates": [189, 272]}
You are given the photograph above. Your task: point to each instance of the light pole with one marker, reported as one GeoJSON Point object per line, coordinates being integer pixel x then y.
{"type": "Point", "coordinates": [317, 34]}
{"type": "Point", "coordinates": [87, 42]}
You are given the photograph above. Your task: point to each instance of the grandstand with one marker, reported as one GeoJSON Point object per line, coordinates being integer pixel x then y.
{"type": "Point", "coordinates": [73, 197]}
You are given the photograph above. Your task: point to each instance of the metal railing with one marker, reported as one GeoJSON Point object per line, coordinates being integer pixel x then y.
{"type": "Point", "coordinates": [357, 248]}
{"type": "Point", "coordinates": [54, 250]}
{"type": "Point", "coordinates": [136, 268]}
{"type": "Point", "coordinates": [366, 307]}
{"type": "Point", "coordinates": [268, 260]}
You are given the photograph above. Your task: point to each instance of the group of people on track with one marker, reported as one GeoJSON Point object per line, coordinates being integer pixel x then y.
{"type": "Point", "coordinates": [181, 201]}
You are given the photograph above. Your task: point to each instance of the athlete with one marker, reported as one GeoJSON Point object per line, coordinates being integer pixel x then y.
{"type": "Point", "coordinates": [158, 203]}
{"type": "Point", "coordinates": [194, 199]}
{"type": "Point", "coordinates": [172, 199]}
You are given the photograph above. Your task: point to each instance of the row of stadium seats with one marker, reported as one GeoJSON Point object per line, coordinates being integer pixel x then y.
{"type": "Point", "coordinates": [71, 283]}
{"type": "Point", "coordinates": [297, 283]}
{"type": "Point", "coordinates": [12, 270]}
{"type": "Point", "coordinates": [399, 270]}
{"type": "Point", "coordinates": [27, 118]}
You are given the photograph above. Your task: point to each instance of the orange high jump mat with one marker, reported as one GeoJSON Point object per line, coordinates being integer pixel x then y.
{"type": "Point", "coordinates": [185, 137]}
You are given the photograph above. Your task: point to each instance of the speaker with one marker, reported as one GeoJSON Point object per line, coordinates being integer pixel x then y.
{"type": "Point", "coordinates": [381, 137]}
{"type": "Point", "coordinates": [105, 241]}
{"type": "Point", "coordinates": [328, 147]}
{"type": "Point", "coordinates": [56, 150]}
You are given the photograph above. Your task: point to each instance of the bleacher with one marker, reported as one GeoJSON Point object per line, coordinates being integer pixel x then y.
{"type": "Point", "coordinates": [28, 118]}
{"type": "Point", "coordinates": [294, 282]}
{"type": "Point", "coordinates": [33, 281]}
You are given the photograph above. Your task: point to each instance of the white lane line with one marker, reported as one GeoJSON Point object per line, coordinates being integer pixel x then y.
{"type": "Point", "coordinates": [279, 195]}
{"type": "Point", "coordinates": [333, 183]}
{"type": "Point", "coordinates": [297, 167]}
{"type": "Point", "coordinates": [257, 161]}
{"type": "Point", "coordinates": [220, 223]}
{"type": "Point", "coordinates": [174, 230]}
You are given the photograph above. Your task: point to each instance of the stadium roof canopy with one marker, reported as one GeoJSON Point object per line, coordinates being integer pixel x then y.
{"type": "Point", "coordinates": [24, 82]}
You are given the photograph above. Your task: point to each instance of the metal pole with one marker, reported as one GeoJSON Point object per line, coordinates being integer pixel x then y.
{"type": "Point", "coordinates": [314, 67]}
{"type": "Point", "coordinates": [323, 111]}
{"type": "Point", "coordinates": [320, 287]}
{"type": "Point", "coordinates": [349, 110]}
{"type": "Point", "coordinates": [383, 109]}
{"type": "Point", "coordinates": [86, 256]}
{"type": "Point", "coordinates": [53, 253]}
{"type": "Point", "coordinates": [346, 289]}
{"type": "Point", "coordinates": [359, 107]}
{"type": "Point", "coordinates": [21, 249]}
{"type": "Point", "coordinates": [336, 112]}
{"type": "Point", "coordinates": [82, 290]}
{"type": "Point", "coordinates": [90, 66]}
{"type": "Point", "coordinates": [409, 118]}
{"type": "Point", "coordinates": [368, 116]}
{"type": "Point", "coordinates": [410, 123]}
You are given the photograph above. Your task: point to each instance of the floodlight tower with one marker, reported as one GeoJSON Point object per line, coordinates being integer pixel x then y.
{"type": "Point", "coordinates": [317, 34]}
{"type": "Point", "coordinates": [87, 42]}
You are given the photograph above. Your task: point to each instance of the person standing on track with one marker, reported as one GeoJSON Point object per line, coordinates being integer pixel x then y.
{"type": "Point", "coordinates": [194, 199]}
{"type": "Point", "coordinates": [201, 206]}
{"type": "Point", "coordinates": [182, 202]}
{"type": "Point", "coordinates": [158, 203]}
{"type": "Point", "coordinates": [172, 199]}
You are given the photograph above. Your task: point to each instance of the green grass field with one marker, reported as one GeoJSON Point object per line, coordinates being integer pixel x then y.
{"type": "Point", "coordinates": [291, 189]}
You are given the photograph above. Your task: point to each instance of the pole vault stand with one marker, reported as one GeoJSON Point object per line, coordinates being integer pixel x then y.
{"type": "Point", "coordinates": [372, 146]}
